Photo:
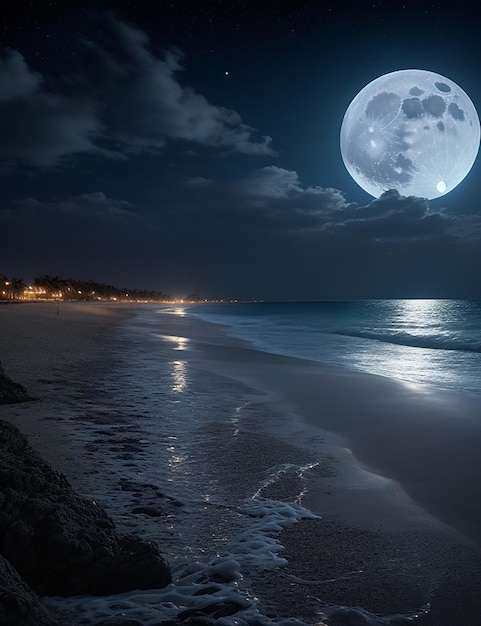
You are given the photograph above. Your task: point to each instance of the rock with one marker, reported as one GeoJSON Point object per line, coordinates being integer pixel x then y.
{"type": "Point", "coordinates": [11, 392]}
{"type": "Point", "coordinates": [60, 543]}
{"type": "Point", "coordinates": [19, 606]}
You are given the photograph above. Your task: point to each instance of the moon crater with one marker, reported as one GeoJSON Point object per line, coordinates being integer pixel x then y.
{"type": "Point", "coordinates": [407, 131]}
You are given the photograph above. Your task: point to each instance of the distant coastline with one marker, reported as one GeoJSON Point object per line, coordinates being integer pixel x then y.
{"type": "Point", "coordinates": [48, 288]}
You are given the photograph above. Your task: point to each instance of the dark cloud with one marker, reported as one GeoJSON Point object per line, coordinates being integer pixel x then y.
{"type": "Point", "coordinates": [466, 228]}
{"type": "Point", "coordinates": [395, 217]}
{"type": "Point", "coordinates": [271, 236]}
{"type": "Point", "coordinates": [85, 236]}
{"type": "Point", "coordinates": [121, 99]}
{"type": "Point", "coordinates": [274, 198]}
{"type": "Point", "coordinates": [45, 128]}
{"type": "Point", "coordinates": [278, 195]}
{"type": "Point", "coordinates": [272, 201]}
{"type": "Point", "coordinates": [275, 183]}
{"type": "Point", "coordinates": [16, 79]}
{"type": "Point", "coordinates": [95, 204]}
{"type": "Point", "coordinates": [38, 125]}
{"type": "Point", "coordinates": [263, 236]}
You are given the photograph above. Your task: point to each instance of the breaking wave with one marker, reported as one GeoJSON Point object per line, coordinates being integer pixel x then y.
{"type": "Point", "coordinates": [431, 342]}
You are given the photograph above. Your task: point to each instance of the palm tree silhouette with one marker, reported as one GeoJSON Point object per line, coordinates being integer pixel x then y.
{"type": "Point", "coordinates": [17, 286]}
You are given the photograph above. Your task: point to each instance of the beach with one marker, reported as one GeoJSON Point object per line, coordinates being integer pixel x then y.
{"type": "Point", "coordinates": [39, 343]}
{"type": "Point", "coordinates": [387, 469]}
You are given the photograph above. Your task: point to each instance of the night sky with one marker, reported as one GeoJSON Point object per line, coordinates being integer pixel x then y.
{"type": "Point", "coordinates": [194, 147]}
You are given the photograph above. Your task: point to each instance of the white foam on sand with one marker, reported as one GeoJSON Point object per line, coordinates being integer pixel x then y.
{"type": "Point", "coordinates": [216, 586]}
{"type": "Point", "coordinates": [200, 585]}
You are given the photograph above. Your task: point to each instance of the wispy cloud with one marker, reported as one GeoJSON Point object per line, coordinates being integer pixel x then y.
{"type": "Point", "coordinates": [121, 99]}
{"type": "Point", "coordinates": [91, 205]}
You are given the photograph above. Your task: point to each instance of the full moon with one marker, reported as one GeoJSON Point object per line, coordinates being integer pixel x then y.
{"type": "Point", "coordinates": [411, 130]}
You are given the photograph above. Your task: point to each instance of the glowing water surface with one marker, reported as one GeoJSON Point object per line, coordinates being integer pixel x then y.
{"type": "Point", "coordinates": [432, 342]}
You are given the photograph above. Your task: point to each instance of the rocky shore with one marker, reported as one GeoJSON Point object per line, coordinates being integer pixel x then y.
{"type": "Point", "coordinates": [10, 391]}
{"type": "Point", "coordinates": [55, 542]}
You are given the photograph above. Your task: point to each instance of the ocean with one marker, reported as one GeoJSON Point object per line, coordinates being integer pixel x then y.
{"type": "Point", "coordinates": [431, 342]}
{"type": "Point", "coordinates": [181, 456]}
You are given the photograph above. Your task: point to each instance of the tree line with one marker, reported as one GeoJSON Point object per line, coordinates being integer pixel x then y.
{"type": "Point", "coordinates": [58, 288]}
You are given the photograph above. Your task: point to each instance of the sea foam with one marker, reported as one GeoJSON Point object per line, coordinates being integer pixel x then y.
{"type": "Point", "coordinates": [199, 586]}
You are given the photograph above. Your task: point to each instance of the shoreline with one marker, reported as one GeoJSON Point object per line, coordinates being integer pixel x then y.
{"type": "Point", "coordinates": [419, 445]}
{"type": "Point", "coordinates": [362, 512]}
{"type": "Point", "coordinates": [402, 512]}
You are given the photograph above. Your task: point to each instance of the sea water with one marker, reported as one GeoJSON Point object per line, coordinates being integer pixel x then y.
{"type": "Point", "coordinates": [432, 342]}
{"type": "Point", "coordinates": [177, 455]}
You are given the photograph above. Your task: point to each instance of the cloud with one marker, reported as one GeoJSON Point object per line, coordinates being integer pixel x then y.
{"type": "Point", "coordinates": [44, 128]}
{"type": "Point", "coordinates": [265, 236]}
{"type": "Point", "coordinates": [38, 125]}
{"type": "Point", "coordinates": [144, 104]}
{"type": "Point", "coordinates": [272, 182]}
{"type": "Point", "coordinates": [270, 236]}
{"type": "Point", "coordinates": [393, 217]}
{"type": "Point", "coordinates": [466, 228]}
{"type": "Point", "coordinates": [279, 196]}
{"type": "Point", "coordinates": [16, 79]}
{"type": "Point", "coordinates": [89, 205]}
{"type": "Point", "coordinates": [274, 199]}
{"type": "Point", "coordinates": [196, 181]}
{"type": "Point", "coordinates": [122, 99]}
{"type": "Point", "coordinates": [272, 202]}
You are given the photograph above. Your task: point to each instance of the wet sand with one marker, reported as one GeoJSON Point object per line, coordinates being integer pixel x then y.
{"type": "Point", "coordinates": [396, 488]}
{"type": "Point", "coordinates": [396, 485]}
{"type": "Point", "coordinates": [426, 440]}
{"type": "Point", "coordinates": [39, 343]}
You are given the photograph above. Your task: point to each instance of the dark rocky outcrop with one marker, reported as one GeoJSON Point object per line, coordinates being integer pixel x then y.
{"type": "Point", "coordinates": [61, 543]}
{"type": "Point", "coordinates": [11, 392]}
{"type": "Point", "coordinates": [19, 606]}
{"type": "Point", "coordinates": [53, 541]}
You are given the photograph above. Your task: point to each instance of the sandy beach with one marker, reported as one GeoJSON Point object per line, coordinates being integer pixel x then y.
{"type": "Point", "coordinates": [425, 439]}
{"type": "Point", "coordinates": [395, 481]}
{"type": "Point", "coordinates": [39, 342]}
{"type": "Point", "coordinates": [399, 489]}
